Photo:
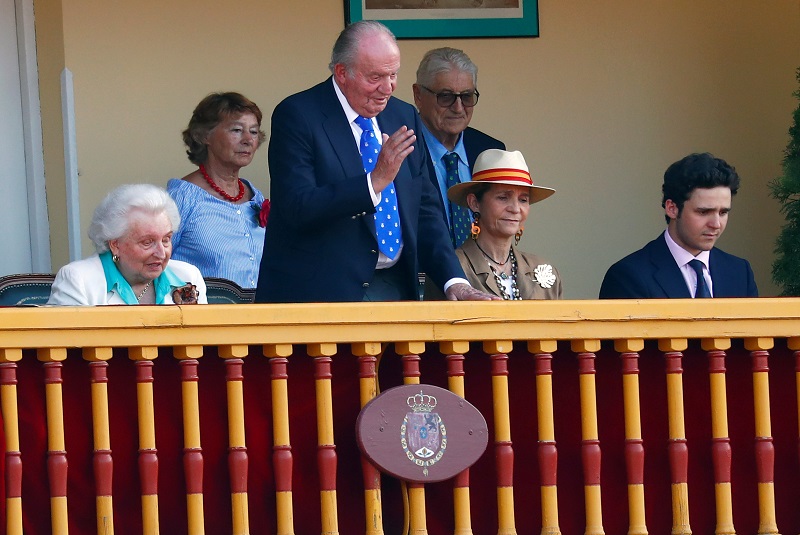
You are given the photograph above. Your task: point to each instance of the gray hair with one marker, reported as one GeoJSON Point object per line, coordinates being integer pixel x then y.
{"type": "Point", "coordinates": [444, 59]}
{"type": "Point", "coordinates": [345, 48]}
{"type": "Point", "coordinates": [111, 219]}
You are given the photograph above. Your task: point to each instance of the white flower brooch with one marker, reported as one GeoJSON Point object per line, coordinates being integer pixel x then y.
{"type": "Point", "coordinates": [544, 275]}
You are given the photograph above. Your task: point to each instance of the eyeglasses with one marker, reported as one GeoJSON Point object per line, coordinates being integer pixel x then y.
{"type": "Point", "coordinates": [448, 98]}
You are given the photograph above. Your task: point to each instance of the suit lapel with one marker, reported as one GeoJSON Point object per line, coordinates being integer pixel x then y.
{"type": "Point", "coordinates": [470, 148]}
{"type": "Point", "coordinates": [340, 134]}
{"type": "Point", "coordinates": [525, 282]}
{"type": "Point", "coordinates": [343, 144]}
{"type": "Point", "coordinates": [481, 267]}
{"type": "Point", "coordinates": [666, 272]}
{"type": "Point", "coordinates": [722, 285]}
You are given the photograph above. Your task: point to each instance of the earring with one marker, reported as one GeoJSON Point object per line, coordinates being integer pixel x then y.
{"type": "Point", "coordinates": [115, 258]}
{"type": "Point", "coordinates": [518, 235]}
{"type": "Point", "coordinates": [475, 228]}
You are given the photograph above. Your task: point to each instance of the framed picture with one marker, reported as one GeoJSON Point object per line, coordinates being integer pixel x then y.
{"type": "Point", "coordinates": [422, 19]}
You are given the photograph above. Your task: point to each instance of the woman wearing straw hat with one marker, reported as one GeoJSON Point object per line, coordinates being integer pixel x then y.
{"type": "Point", "coordinates": [499, 197]}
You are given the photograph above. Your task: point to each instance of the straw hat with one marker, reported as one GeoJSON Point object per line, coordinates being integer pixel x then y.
{"type": "Point", "coordinates": [495, 166]}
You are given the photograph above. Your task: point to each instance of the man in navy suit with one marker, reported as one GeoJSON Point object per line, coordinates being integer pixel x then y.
{"type": "Point", "coordinates": [683, 261]}
{"type": "Point", "coordinates": [321, 242]}
{"type": "Point", "coordinates": [446, 94]}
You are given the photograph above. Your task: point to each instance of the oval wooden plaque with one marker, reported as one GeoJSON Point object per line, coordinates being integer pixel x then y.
{"type": "Point", "coordinates": [421, 433]}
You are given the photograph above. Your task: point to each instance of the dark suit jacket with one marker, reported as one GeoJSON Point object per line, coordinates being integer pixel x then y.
{"type": "Point", "coordinates": [320, 242]}
{"type": "Point", "coordinates": [651, 273]}
{"type": "Point", "coordinates": [475, 142]}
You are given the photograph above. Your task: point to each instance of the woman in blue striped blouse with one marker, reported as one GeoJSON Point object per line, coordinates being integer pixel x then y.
{"type": "Point", "coordinates": [223, 216]}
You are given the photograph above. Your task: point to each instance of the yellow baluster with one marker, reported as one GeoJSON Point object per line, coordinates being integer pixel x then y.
{"type": "Point", "coordinates": [237, 444]}
{"type": "Point", "coordinates": [679, 453]}
{"type": "Point", "coordinates": [282, 449]}
{"type": "Point", "coordinates": [56, 449]}
{"type": "Point", "coordinates": [634, 448]}
{"type": "Point", "coordinates": [765, 450]}
{"type": "Point", "coordinates": [721, 447]}
{"type": "Point", "coordinates": [368, 388]}
{"type": "Point", "coordinates": [13, 457]}
{"type": "Point", "coordinates": [148, 458]}
{"type": "Point", "coordinates": [548, 455]}
{"type": "Point", "coordinates": [192, 449]}
{"type": "Point", "coordinates": [455, 382]}
{"type": "Point", "coordinates": [504, 453]}
{"type": "Point", "coordinates": [418, 522]}
{"type": "Point", "coordinates": [103, 462]}
{"type": "Point", "coordinates": [590, 438]}
{"type": "Point", "coordinates": [326, 447]}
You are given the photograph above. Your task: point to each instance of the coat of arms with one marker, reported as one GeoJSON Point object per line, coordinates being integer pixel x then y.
{"type": "Point", "coordinates": [422, 434]}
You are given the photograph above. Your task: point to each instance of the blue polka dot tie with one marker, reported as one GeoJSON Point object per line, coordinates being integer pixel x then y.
{"type": "Point", "coordinates": [387, 219]}
{"type": "Point", "coordinates": [702, 288]}
{"type": "Point", "coordinates": [460, 219]}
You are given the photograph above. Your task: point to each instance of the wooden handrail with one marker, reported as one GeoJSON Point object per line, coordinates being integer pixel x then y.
{"type": "Point", "coordinates": [266, 397]}
{"type": "Point", "coordinates": [50, 327]}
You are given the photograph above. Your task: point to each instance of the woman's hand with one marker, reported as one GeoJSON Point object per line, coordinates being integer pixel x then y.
{"type": "Point", "coordinates": [185, 295]}
{"type": "Point", "coordinates": [464, 292]}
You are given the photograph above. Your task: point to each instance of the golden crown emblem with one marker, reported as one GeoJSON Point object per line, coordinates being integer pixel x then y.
{"type": "Point", "coordinates": [421, 402]}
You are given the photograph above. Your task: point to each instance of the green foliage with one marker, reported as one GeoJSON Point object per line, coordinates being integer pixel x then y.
{"type": "Point", "coordinates": [786, 189]}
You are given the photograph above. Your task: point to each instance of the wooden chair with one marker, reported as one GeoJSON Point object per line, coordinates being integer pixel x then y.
{"type": "Point", "coordinates": [25, 289]}
{"type": "Point", "coordinates": [31, 289]}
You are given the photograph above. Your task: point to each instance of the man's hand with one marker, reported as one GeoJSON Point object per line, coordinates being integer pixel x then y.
{"type": "Point", "coordinates": [464, 292]}
{"type": "Point", "coordinates": [394, 150]}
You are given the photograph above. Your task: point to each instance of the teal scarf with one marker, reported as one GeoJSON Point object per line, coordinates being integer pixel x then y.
{"type": "Point", "coordinates": [164, 283]}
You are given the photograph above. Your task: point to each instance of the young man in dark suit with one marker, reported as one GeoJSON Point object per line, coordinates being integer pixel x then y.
{"type": "Point", "coordinates": [683, 262]}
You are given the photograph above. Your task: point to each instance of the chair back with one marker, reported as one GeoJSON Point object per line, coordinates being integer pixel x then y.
{"type": "Point", "coordinates": [221, 291]}
{"type": "Point", "coordinates": [25, 289]}
{"type": "Point", "coordinates": [30, 289]}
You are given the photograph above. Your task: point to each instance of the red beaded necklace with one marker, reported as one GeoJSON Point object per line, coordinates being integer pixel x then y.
{"type": "Point", "coordinates": [220, 190]}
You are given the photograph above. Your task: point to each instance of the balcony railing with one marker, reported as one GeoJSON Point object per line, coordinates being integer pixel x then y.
{"type": "Point", "coordinates": [604, 417]}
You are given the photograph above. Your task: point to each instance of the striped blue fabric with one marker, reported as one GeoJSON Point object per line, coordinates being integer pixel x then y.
{"type": "Point", "coordinates": [221, 238]}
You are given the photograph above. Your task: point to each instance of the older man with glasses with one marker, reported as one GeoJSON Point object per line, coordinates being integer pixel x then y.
{"type": "Point", "coordinates": [445, 95]}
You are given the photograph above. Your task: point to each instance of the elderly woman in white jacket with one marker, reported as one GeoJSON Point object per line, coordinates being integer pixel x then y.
{"type": "Point", "coordinates": [132, 233]}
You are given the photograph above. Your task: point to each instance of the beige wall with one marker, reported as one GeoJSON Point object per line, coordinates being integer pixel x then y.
{"type": "Point", "coordinates": [609, 95]}
{"type": "Point", "coordinates": [50, 58]}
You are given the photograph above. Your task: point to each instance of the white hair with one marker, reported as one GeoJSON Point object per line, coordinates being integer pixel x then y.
{"type": "Point", "coordinates": [112, 217]}
{"type": "Point", "coordinates": [445, 59]}
{"type": "Point", "coordinates": [345, 49]}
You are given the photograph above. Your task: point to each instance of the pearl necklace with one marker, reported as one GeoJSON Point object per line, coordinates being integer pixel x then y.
{"type": "Point", "coordinates": [514, 296]}
{"type": "Point", "coordinates": [146, 287]}
{"type": "Point", "coordinates": [220, 190]}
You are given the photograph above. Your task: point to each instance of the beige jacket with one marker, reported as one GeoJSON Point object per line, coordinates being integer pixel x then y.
{"type": "Point", "coordinates": [476, 268]}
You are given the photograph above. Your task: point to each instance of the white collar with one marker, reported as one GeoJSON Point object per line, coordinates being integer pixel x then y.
{"type": "Point", "coordinates": [681, 255]}
{"type": "Point", "coordinates": [349, 112]}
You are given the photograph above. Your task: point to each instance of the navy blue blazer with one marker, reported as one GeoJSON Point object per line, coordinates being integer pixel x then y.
{"type": "Point", "coordinates": [651, 273]}
{"type": "Point", "coordinates": [475, 142]}
{"type": "Point", "coordinates": [320, 243]}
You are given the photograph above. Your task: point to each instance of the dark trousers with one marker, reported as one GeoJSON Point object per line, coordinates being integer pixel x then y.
{"type": "Point", "coordinates": [388, 285]}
